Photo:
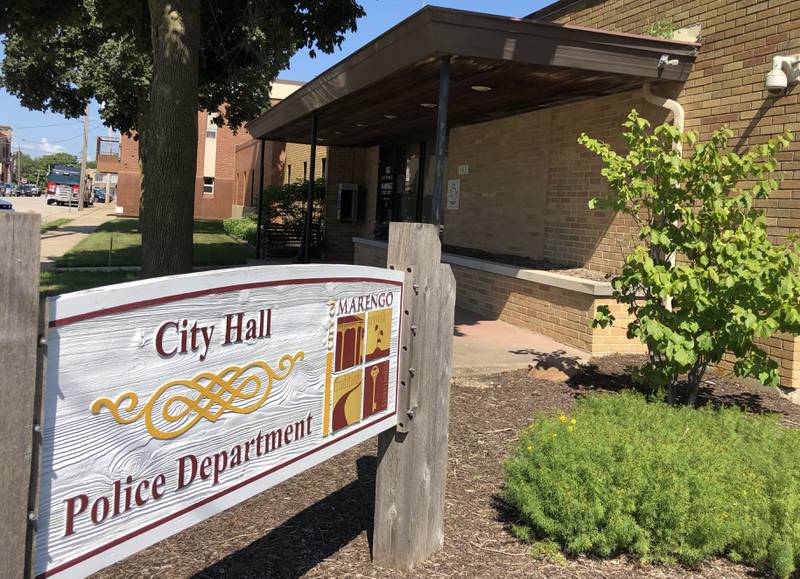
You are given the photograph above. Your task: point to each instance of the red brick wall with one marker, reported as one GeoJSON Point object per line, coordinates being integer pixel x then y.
{"type": "Point", "coordinates": [216, 206]}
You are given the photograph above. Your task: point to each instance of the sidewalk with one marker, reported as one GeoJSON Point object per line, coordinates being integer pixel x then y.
{"type": "Point", "coordinates": [484, 346]}
{"type": "Point", "coordinates": [59, 241]}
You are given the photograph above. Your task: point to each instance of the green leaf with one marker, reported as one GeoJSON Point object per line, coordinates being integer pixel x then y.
{"type": "Point", "coordinates": [732, 285]}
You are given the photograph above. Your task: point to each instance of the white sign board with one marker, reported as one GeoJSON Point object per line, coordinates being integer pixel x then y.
{"type": "Point", "coordinates": [453, 193]}
{"type": "Point", "coordinates": [169, 400]}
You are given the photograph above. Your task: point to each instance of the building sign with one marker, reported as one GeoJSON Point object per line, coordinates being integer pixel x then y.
{"type": "Point", "coordinates": [169, 400]}
{"type": "Point", "coordinates": [453, 193]}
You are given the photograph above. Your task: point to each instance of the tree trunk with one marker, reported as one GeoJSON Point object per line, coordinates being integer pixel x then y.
{"type": "Point", "coordinates": [169, 160]}
{"type": "Point", "coordinates": [695, 378]}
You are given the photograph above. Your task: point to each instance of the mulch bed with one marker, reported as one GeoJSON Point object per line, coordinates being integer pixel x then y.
{"type": "Point", "coordinates": [318, 524]}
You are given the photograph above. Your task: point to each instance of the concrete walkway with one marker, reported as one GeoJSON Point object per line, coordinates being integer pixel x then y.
{"type": "Point", "coordinates": [483, 346]}
{"type": "Point", "coordinates": [57, 242]}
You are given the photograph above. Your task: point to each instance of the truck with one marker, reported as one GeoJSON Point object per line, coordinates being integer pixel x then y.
{"type": "Point", "coordinates": [64, 185]}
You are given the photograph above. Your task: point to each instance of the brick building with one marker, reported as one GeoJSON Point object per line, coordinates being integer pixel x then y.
{"type": "Point", "coordinates": [516, 184]}
{"type": "Point", "coordinates": [283, 163]}
{"type": "Point", "coordinates": [227, 165]}
{"type": "Point", "coordinates": [6, 158]}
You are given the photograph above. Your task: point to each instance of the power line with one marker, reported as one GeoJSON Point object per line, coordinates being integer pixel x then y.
{"type": "Point", "coordinates": [45, 126]}
{"type": "Point", "coordinates": [98, 125]}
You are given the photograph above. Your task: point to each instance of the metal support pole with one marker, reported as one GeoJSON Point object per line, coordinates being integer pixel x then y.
{"type": "Point", "coordinates": [82, 189]}
{"type": "Point", "coordinates": [108, 175]}
{"type": "Point", "coordinates": [259, 251]}
{"type": "Point", "coordinates": [306, 253]}
{"type": "Point", "coordinates": [441, 140]}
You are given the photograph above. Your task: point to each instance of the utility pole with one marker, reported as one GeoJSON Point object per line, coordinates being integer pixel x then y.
{"type": "Point", "coordinates": [82, 190]}
{"type": "Point", "coordinates": [108, 175]}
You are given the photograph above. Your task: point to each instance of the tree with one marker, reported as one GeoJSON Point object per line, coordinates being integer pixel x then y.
{"type": "Point", "coordinates": [154, 64]}
{"type": "Point", "coordinates": [36, 169]}
{"type": "Point", "coordinates": [730, 285]}
{"type": "Point", "coordinates": [20, 163]}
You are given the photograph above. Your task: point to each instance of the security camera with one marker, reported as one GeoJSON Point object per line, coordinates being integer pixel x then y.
{"type": "Point", "coordinates": [785, 71]}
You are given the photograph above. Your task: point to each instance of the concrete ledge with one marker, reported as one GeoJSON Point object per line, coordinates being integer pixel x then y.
{"type": "Point", "coordinates": [601, 289]}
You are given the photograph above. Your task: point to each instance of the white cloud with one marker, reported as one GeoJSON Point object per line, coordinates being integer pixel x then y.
{"type": "Point", "coordinates": [43, 146]}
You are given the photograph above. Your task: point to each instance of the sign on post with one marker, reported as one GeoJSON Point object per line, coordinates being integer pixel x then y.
{"type": "Point", "coordinates": [169, 400]}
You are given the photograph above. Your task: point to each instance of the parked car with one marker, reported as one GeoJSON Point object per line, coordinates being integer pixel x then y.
{"type": "Point", "coordinates": [29, 190]}
{"type": "Point", "coordinates": [100, 194]}
{"type": "Point", "coordinates": [6, 205]}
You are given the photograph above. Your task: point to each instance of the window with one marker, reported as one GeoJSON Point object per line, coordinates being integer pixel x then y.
{"type": "Point", "coordinates": [305, 170]}
{"type": "Point", "coordinates": [211, 128]}
{"type": "Point", "coordinates": [324, 168]}
{"type": "Point", "coordinates": [288, 173]}
{"type": "Point", "coordinates": [208, 186]}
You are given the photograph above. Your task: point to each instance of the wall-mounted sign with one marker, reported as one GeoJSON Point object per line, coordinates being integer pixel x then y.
{"type": "Point", "coordinates": [169, 400]}
{"type": "Point", "coordinates": [453, 193]}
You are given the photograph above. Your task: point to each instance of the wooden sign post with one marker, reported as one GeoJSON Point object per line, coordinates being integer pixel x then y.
{"type": "Point", "coordinates": [19, 324]}
{"type": "Point", "coordinates": [221, 384]}
{"type": "Point", "coordinates": [412, 459]}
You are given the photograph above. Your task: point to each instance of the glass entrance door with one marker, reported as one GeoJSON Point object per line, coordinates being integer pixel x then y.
{"type": "Point", "coordinates": [401, 183]}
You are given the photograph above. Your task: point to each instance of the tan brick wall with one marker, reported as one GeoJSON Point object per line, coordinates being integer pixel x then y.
{"type": "Point", "coordinates": [505, 189]}
{"type": "Point", "coordinates": [562, 314]}
{"type": "Point", "coordinates": [783, 348]}
{"type": "Point", "coordinates": [529, 181]}
{"type": "Point", "coordinates": [349, 165]}
{"type": "Point", "coordinates": [529, 184]}
{"type": "Point", "coordinates": [247, 172]}
{"type": "Point", "coordinates": [614, 339]}
{"type": "Point", "coordinates": [295, 155]}
{"type": "Point", "coordinates": [726, 86]}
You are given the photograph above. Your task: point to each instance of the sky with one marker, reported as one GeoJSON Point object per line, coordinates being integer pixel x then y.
{"type": "Point", "coordinates": [37, 133]}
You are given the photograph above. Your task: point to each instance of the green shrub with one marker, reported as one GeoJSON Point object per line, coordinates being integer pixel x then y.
{"type": "Point", "coordinates": [287, 204]}
{"type": "Point", "coordinates": [242, 228]}
{"type": "Point", "coordinates": [730, 286]}
{"type": "Point", "coordinates": [665, 484]}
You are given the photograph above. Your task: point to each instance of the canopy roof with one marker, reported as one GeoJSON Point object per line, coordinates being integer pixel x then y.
{"type": "Point", "coordinates": [379, 94]}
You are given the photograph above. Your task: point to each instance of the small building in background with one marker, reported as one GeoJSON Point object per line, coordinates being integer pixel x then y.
{"type": "Point", "coordinates": [227, 178]}
{"type": "Point", "coordinates": [6, 159]}
{"type": "Point", "coordinates": [108, 165]}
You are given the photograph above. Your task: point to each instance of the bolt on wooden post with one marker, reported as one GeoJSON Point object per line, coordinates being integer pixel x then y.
{"type": "Point", "coordinates": [412, 458]}
{"type": "Point", "coordinates": [19, 321]}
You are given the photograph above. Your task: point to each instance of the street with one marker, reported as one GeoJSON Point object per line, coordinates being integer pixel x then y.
{"type": "Point", "coordinates": [49, 212]}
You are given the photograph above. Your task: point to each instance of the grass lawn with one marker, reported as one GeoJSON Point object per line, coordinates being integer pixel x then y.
{"type": "Point", "coordinates": [53, 283]}
{"type": "Point", "coordinates": [212, 246]}
{"type": "Point", "coordinates": [55, 224]}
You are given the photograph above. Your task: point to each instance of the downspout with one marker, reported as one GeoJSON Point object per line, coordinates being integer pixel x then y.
{"type": "Point", "coordinates": [672, 106]}
{"type": "Point", "coordinates": [678, 116]}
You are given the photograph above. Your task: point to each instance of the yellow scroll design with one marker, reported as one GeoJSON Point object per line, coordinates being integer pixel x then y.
{"type": "Point", "coordinates": [209, 396]}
